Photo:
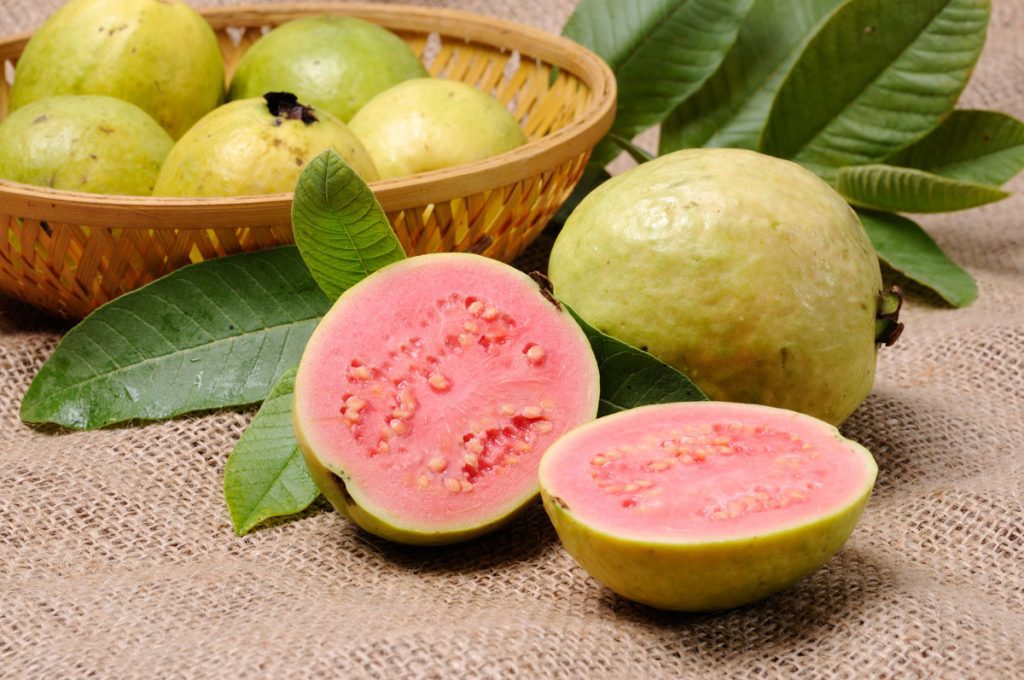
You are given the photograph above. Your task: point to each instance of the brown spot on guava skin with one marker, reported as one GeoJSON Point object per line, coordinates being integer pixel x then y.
{"type": "Point", "coordinates": [299, 162]}
{"type": "Point", "coordinates": [560, 502]}
{"type": "Point", "coordinates": [546, 289]}
{"type": "Point", "coordinates": [277, 141]}
{"type": "Point", "coordinates": [286, 105]}
{"type": "Point", "coordinates": [107, 130]}
{"type": "Point", "coordinates": [39, 119]}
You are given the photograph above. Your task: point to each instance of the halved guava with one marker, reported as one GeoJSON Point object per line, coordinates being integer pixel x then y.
{"type": "Point", "coordinates": [428, 393]}
{"type": "Point", "coordinates": [704, 505]}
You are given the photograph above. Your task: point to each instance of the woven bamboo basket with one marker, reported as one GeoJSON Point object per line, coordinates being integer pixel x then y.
{"type": "Point", "coordinates": [69, 252]}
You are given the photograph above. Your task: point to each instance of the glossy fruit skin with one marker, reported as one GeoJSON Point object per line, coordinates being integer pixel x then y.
{"type": "Point", "coordinates": [430, 123]}
{"type": "Point", "coordinates": [351, 494]}
{"type": "Point", "coordinates": [746, 272]}
{"type": "Point", "coordinates": [242, 149]}
{"type": "Point", "coordinates": [86, 143]}
{"type": "Point", "coordinates": [333, 63]}
{"type": "Point", "coordinates": [158, 54]}
{"type": "Point", "coordinates": [708, 575]}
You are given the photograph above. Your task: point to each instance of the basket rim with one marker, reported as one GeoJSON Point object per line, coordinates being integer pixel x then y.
{"type": "Point", "coordinates": [545, 153]}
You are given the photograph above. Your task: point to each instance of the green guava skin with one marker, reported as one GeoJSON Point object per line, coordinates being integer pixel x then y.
{"type": "Point", "coordinates": [158, 54]}
{"type": "Point", "coordinates": [747, 273]}
{"type": "Point", "coordinates": [86, 143]}
{"type": "Point", "coordinates": [333, 63]}
{"type": "Point", "coordinates": [335, 490]}
{"type": "Point", "coordinates": [242, 149]}
{"type": "Point", "coordinates": [429, 123]}
{"type": "Point", "coordinates": [708, 575]}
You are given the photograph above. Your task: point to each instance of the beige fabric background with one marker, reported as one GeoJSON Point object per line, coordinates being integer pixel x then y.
{"type": "Point", "coordinates": [117, 558]}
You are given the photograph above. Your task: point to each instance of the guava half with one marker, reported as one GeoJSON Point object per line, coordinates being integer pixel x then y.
{"type": "Point", "coordinates": [83, 143]}
{"type": "Point", "coordinates": [158, 54]}
{"type": "Point", "coordinates": [429, 391]}
{"type": "Point", "coordinates": [704, 505]}
{"type": "Point", "coordinates": [746, 272]}
{"type": "Point", "coordinates": [334, 63]}
{"type": "Point", "coordinates": [256, 146]}
{"type": "Point", "coordinates": [430, 123]}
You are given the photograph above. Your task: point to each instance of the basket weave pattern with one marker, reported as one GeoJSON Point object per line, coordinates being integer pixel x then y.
{"type": "Point", "coordinates": [70, 252]}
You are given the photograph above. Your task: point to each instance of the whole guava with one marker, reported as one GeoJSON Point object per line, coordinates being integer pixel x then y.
{"type": "Point", "coordinates": [746, 272]}
{"type": "Point", "coordinates": [429, 123]}
{"type": "Point", "coordinates": [158, 54]}
{"type": "Point", "coordinates": [256, 146]}
{"type": "Point", "coordinates": [333, 63]}
{"type": "Point", "coordinates": [88, 143]}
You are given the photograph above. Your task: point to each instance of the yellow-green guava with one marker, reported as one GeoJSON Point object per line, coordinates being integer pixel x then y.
{"type": "Point", "coordinates": [88, 143]}
{"type": "Point", "coordinates": [333, 63]}
{"type": "Point", "coordinates": [747, 273]}
{"type": "Point", "coordinates": [429, 123]}
{"type": "Point", "coordinates": [256, 146]}
{"type": "Point", "coordinates": [158, 54]}
{"type": "Point", "coordinates": [704, 505]}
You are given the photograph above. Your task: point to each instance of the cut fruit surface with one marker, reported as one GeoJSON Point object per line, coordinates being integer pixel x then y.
{"type": "Point", "coordinates": [430, 390]}
{"type": "Point", "coordinates": [704, 505]}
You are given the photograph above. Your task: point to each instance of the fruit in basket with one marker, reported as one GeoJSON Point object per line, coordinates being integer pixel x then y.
{"type": "Point", "coordinates": [333, 63]}
{"type": "Point", "coordinates": [429, 123]}
{"type": "Point", "coordinates": [747, 273]}
{"type": "Point", "coordinates": [158, 54]}
{"type": "Point", "coordinates": [427, 394]}
{"type": "Point", "coordinates": [256, 146]}
{"type": "Point", "coordinates": [83, 143]}
{"type": "Point", "coordinates": [704, 505]}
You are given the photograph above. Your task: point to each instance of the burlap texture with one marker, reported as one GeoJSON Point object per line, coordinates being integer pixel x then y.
{"type": "Point", "coordinates": [117, 558]}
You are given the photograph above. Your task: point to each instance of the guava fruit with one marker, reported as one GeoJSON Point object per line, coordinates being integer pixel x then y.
{"type": "Point", "coordinates": [158, 54]}
{"type": "Point", "coordinates": [256, 146]}
{"type": "Point", "coordinates": [704, 505]}
{"type": "Point", "coordinates": [746, 272]}
{"type": "Point", "coordinates": [334, 63]}
{"type": "Point", "coordinates": [427, 394]}
{"type": "Point", "coordinates": [83, 143]}
{"type": "Point", "coordinates": [429, 123]}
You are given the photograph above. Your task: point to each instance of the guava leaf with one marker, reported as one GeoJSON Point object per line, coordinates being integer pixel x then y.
{"type": "Point", "coordinates": [341, 230]}
{"type": "Point", "coordinates": [877, 77]}
{"type": "Point", "coordinates": [984, 147]}
{"type": "Point", "coordinates": [731, 108]}
{"type": "Point", "coordinates": [660, 50]}
{"type": "Point", "coordinates": [638, 154]}
{"type": "Point", "coordinates": [631, 377]}
{"type": "Point", "coordinates": [209, 335]}
{"type": "Point", "coordinates": [903, 245]}
{"type": "Point", "coordinates": [886, 187]}
{"type": "Point", "coordinates": [265, 475]}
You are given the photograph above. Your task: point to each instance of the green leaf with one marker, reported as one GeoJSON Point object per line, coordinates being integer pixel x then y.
{"type": "Point", "coordinates": [631, 377]}
{"type": "Point", "coordinates": [973, 146]}
{"type": "Point", "coordinates": [906, 247]}
{"type": "Point", "coordinates": [877, 77]}
{"type": "Point", "coordinates": [635, 152]}
{"type": "Point", "coordinates": [660, 50]}
{"type": "Point", "coordinates": [214, 334]}
{"type": "Point", "coordinates": [732, 106]}
{"type": "Point", "coordinates": [340, 228]}
{"type": "Point", "coordinates": [265, 475]}
{"type": "Point", "coordinates": [885, 187]}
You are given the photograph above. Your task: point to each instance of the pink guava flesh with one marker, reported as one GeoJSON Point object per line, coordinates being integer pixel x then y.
{"type": "Point", "coordinates": [711, 471]}
{"type": "Point", "coordinates": [433, 387]}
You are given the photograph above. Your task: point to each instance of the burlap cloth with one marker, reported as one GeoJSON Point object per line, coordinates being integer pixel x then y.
{"type": "Point", "coordinates": [117, 558]}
